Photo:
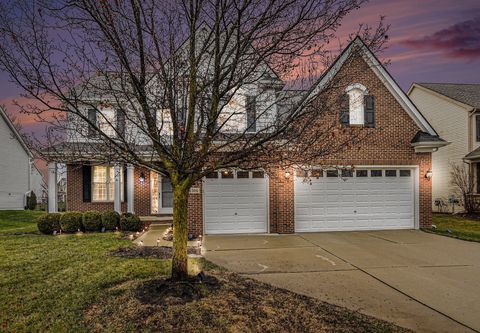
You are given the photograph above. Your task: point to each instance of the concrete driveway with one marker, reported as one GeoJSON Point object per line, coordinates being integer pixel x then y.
{"type": "Point", "coordinates": [417, 280]}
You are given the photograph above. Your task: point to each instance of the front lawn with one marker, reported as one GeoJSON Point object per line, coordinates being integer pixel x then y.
{"type": "Point", "coordinates": [18, 221]}
{"type": "Point", "coordinates": [71, 283]}
{"type": "Point", "coordinates": [459, 226]}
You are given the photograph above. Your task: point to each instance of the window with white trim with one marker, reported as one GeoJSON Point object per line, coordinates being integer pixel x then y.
{"type": "Point", "coordinates": [106, 121]}
{"type": "Point", "coordinates": [356, 96]}
{"type": "Point", "coordinates": [103, 183]}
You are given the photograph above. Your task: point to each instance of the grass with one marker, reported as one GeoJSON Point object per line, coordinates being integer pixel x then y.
{"type": "Point", "coordinates": [48, 281]}
{"type": "Point", "coordinates": [461, 227]}
{"type": "Point", "coordinates": [14, 221]}
{"type": "Point", "coordinates": [70, 283]}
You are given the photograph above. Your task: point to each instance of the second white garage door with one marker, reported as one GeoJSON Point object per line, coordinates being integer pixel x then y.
{"type": "Point", "coordinates": [363, 200]}
{"type": "Point", "coordinates": [235, 202]}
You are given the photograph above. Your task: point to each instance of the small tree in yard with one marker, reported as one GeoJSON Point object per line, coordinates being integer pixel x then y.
{"type": "Point", "coordinates": [177, 72]}
{"type": "Point", "coordinates": [463, 181]}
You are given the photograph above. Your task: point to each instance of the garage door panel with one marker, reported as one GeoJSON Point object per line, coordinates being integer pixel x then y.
{"type": "Point", "coordinates": [354, 203]}
{"type": "Point", "coordinates": [237, 205]}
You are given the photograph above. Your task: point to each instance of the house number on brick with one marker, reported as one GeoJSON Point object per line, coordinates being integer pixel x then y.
{"type": "Point", "coordinates": [194, 190]}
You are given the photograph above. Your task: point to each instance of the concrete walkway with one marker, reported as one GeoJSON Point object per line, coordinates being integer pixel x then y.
{"type": "Point", "coordinates": [417, 280]}
{"type": "Point", "coordinates": [153, 237]}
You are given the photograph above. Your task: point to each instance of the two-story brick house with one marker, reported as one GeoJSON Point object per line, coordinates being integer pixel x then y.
{"type": "Point", "coordinates": [387, 188]}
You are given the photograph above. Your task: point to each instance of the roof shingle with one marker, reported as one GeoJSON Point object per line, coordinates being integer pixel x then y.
{"type": "Point", "coordinates": [465, 93]}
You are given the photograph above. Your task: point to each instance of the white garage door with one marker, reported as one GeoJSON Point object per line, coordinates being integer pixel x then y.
{"type": "Point", "coordinates": [360, 200]}
{"type": "Point", "coordinates": [235, 202]}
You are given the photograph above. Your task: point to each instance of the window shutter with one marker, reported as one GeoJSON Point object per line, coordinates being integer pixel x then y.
{"type": "Point", "coordinates": [87, 183]}
{"type": "Point", "coordinates": [369, 111]}
{"type": "Point", "coordinates": [125, 184]}
{"type": "Point", "coordinates": [154, 116]}
{"type": "Point", "coordinates": [121, 122]}
{"type": "Point", "coordinates": [251, 113]}
{"type": "Point", "coordinates": [92, 117]}
{"type": "Point", "coordinates": [344, 110]}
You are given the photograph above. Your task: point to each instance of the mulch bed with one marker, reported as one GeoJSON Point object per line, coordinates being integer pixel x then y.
{"type": "Point", "coordinates": [157, 252]}
{"type": "Point", "coordinates": [224, 302]}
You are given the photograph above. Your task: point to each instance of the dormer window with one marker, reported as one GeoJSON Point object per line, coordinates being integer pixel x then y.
{"type": "Point", "coordinates": [358, 107]}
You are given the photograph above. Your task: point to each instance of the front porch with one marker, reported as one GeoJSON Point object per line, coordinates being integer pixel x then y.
{"type": "Point", "coordinates": [118, 187]}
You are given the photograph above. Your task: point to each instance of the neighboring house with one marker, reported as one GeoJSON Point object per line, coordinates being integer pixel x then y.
{"type": "Point", "coordinates": [18, 173]}
{"type": "Point", "coordinates": [454, 111]}
{"type": "Point", "coordinates": [387, 189]}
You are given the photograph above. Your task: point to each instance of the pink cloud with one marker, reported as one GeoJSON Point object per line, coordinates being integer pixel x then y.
{"type": "Point", "coordinates": [461, 40]}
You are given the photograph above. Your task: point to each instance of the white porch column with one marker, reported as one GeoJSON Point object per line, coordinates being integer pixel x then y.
{"type": "Point", "coordinates": [117, 195]}
{"type": "Point", "coordinates": [130, 188]}
{"type": "Point", "coordinates": [52, 187]}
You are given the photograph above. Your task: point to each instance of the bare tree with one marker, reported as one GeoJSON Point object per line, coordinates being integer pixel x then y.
{"type": "Point", "coordinates": [465, 184]}
{"type": "Point", "coordinates": [178, 74]}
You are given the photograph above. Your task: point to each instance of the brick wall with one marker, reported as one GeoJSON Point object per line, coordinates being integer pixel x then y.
{"type": "Point", "coordinates": [281, 202]}
{"type": "Point", "coordinates": [195, 211]}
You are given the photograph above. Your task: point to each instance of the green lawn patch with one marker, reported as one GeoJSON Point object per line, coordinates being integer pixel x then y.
{"type": "Point", "coordinates": [73, 283]}
{"type": "Point", "coordinates": [459, 226]}
{"type": "Point", "coordinates": [18, 221]}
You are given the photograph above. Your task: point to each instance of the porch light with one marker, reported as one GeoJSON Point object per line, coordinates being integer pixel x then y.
{"type": "Point", "coordinates": [429, 174]}
{"type": "Point", "coordinates": [287, 174]}
{"type": "Point", "coordinates": [142, 178]}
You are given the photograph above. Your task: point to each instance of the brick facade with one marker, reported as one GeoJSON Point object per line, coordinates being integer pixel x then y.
{"type": "Point", "coordinates": [75, 193]}
{"type": "Point", "coordinates": [386, 144]}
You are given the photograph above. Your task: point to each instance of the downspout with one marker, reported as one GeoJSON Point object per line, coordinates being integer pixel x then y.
{"type": "Point", "coordinates": [470, 129]}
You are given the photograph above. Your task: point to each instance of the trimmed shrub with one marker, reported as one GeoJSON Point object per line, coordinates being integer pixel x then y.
{"type": "Point", "coordinates": [130, 222]}
{"type": "Point", "coordinates": [32, 201]}
{"type": "Point", "coordinates": [92, 221]}
{"type": "Point", "coordinates": [71, 221]}
{"type": "Point", "coordinates": [48, 223]}
{"type": "Point", "coordinates": [110, 220]}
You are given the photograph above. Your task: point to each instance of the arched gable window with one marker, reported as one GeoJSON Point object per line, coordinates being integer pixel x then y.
{"type": "Point", "coordinates": [356, 99]}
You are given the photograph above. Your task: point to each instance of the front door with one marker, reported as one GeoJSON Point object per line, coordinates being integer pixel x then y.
{"type": "Point", "coordinates": [161, 194]}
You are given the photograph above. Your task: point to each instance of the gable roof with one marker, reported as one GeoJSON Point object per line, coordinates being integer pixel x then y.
{"type": "Point", "coordinates": [464, 93]}
{"type": "Point", "coordinates": [381, 73]}
{"type": "Point", "coordinates": [473, 155]}
{"type": "Point", "coordinates": [16, 134]}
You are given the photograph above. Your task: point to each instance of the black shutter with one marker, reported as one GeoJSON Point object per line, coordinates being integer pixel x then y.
{"type": "Point", "coordinates": [477, 124]}
{"type": "Point", "coordinates": [154, 116]}
{"type": "Point", "coordinates": [125, 199]}
{"type": "Point", "coordinates": [87, 183]}
{"type": "Point", "coordinates": [92, 117]}
{"type": "Point", "coordinates": [369, 111]}
{"type": "Point", "coordinates": [344, 110]}
{"type": "Point", "coordinates": [121, 122]}
{"type": "Point", "coordinates": [251, 113]}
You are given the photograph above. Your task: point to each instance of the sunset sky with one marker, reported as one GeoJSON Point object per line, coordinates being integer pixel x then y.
{"type": "Point", "coordinates": [429, 41]}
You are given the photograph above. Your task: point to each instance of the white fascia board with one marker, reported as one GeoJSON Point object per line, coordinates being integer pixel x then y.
{"type": "Point", "coordinates": [428, 146]}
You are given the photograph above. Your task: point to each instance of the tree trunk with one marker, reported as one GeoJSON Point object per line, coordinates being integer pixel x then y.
{"type": "Point", "coordinates": [180, 233]}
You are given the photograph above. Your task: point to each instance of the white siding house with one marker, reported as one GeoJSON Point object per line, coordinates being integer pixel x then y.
{"type": "Point", "coordinates": [18, 174]}
{"type": "Point", "coordinates": [453, 110]}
